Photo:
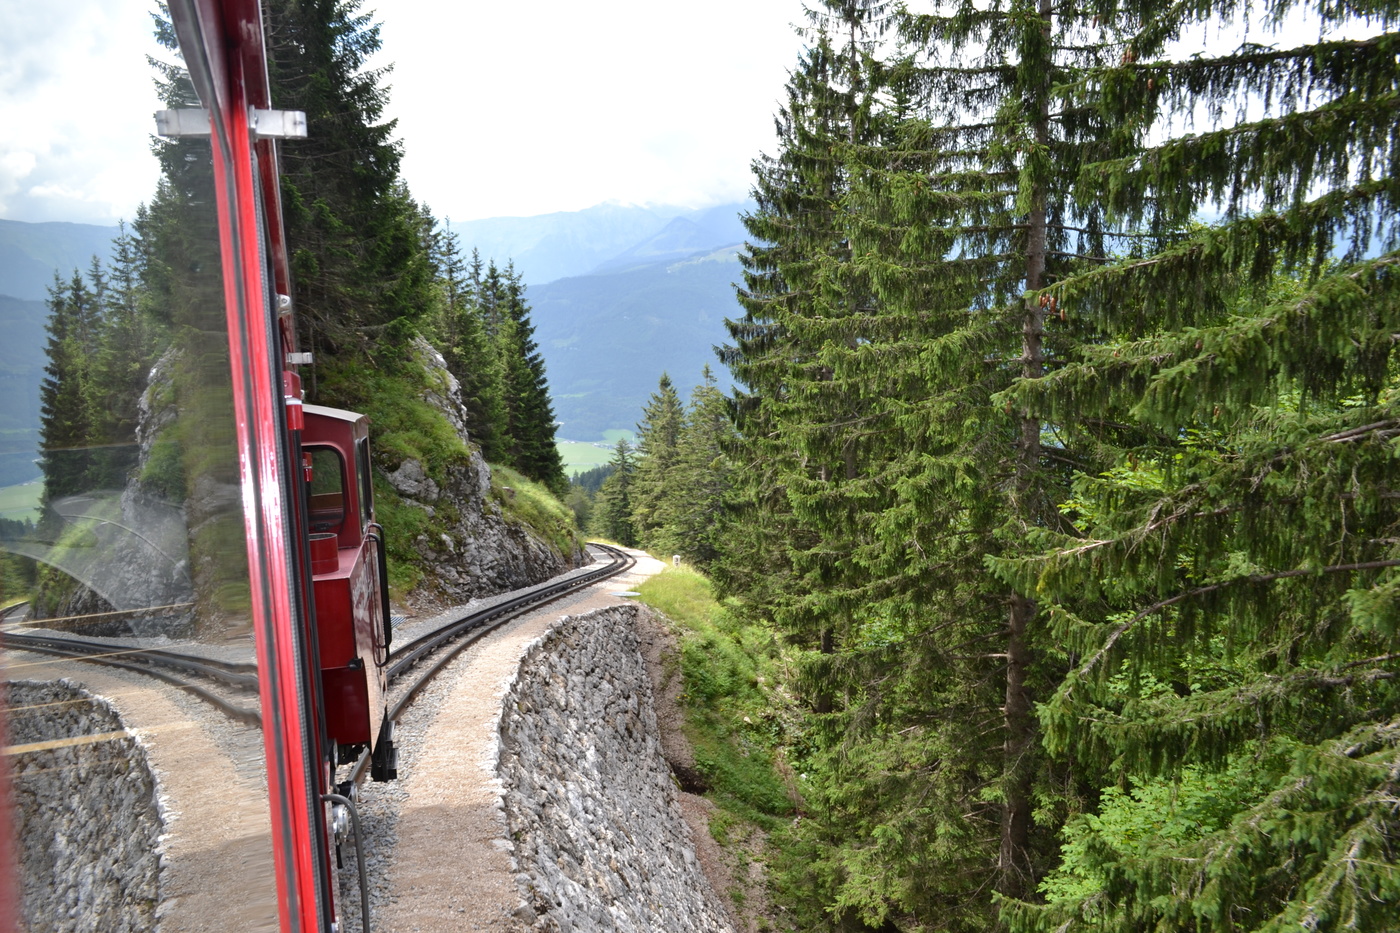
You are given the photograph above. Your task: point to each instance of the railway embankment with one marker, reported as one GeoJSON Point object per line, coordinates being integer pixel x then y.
{"type": "Point", "coordinates": [81, 786]}
{"type": "Point", "coordinates": [600, 842]}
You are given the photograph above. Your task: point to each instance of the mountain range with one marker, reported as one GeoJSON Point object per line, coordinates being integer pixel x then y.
{"type": "Point", "coordinates": [571, 243]}
{"type": "Point", "coordinates": [619, 294]}
{"type": "Point", "coordinates": [608, 337]}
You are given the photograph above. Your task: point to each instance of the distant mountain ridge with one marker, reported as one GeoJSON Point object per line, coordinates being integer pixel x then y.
{"type": "Point", "coordinates": [30, 254]}
{"type": "Point", "coordinates": [572, 243]}
{"type": "Point", "coordinates": [608, 337]}
{"type": "Point", "coordinates": [619, 295]}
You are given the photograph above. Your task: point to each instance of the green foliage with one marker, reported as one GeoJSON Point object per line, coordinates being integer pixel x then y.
{"type": "Point", "coordinates": [728, 669]}
{"type": "Point", "coordinates": [524, 501]}
{"type": "Point", "coordinates": [404, 523]}
{"type": "Point", "coordinates": [1057, 487]}
{"type": "Point", "coordinates": [164, 471]}
{"type": "Point", "coordinates": [612, 516]}
{"type": "Point", "coordinates": [405, 427]}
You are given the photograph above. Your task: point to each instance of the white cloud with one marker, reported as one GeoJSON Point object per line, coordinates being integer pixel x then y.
{"type": "Point", "coordinates": [76, 98]}
{"type": "Point", "coordinates": [503, 108]}
{"type": "Point", "coordinates": [518, 109]}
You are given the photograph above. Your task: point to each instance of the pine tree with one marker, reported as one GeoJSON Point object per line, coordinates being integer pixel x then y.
{"type": "Point", "coordinates": [658, 437]}
{"type": "Point", "coordinates": [954, 208]}
{"type": "Point", "coordinates": [1228, 587]}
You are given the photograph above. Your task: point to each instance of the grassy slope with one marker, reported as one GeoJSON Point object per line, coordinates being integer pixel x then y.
{"type": "Point", "coordinates": [735, 720]}
{"type": "Point", "coordinates": [404, 427]}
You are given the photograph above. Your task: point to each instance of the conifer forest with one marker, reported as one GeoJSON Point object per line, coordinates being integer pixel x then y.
{"type": "Point", "coordinates": [1057, 460]}
{"type": "Point", "coordinates": [1063, 462]}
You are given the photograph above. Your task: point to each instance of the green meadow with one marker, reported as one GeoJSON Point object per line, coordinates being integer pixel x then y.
{"type": "Point", "coordinates": [22, 501]}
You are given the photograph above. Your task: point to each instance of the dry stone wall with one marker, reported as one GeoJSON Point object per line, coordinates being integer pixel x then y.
{"type": "Point", "coordinates": [85, 802]}
{"type": "Point", "coordinates": [599, 840]}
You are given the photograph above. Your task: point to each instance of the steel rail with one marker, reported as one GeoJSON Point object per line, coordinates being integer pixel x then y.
{"type": "Point", "coordinates": [237, 674]}
{"type": "Point", "coordinates": [55, 646]}
{"type": "Point", "coordinates": [466, 630]}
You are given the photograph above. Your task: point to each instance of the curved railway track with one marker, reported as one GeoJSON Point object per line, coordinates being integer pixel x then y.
{"type": "Point", "coordinates": [458, 634]}
{"type": "Point", "coordinates": [179, 669]}
{"type": "Point", "coordinates": [171, 667]}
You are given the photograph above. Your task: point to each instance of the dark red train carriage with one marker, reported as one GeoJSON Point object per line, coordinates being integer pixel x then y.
{"type": "Point", "coordinates": [350, 577]}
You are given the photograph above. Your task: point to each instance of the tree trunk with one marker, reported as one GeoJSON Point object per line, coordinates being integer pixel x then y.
{"type": "Point", "coordinates": [1014, 871]}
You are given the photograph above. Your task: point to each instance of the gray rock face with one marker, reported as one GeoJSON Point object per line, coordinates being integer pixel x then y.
{"type": "Point", "coordinates": [599, 838]}
{"type": "Point", "coordinates": [135, 545]}
{"type": "Point", "coordinates": [482, 552]}
{"type": "Point", "coordinates": [88, 824]}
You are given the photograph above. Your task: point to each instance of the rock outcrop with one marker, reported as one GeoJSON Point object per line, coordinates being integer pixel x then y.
{"type": "Point", "coordinates": [480, 551]}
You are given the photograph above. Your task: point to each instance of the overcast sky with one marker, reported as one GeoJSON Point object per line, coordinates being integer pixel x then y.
{"type": "Point", "coordinates": [504, 109]}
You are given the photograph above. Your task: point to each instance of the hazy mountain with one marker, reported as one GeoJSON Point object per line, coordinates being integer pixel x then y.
{"type": "Point", "coordinates": [607, 338]}
{"type": "Point", "coordinates": [31, 253]}
{"type": "Point", "coordinates": [572, 243]}
{"type": "Point", "coordinates": [22, 363]}
{"type": "Point", "coordinates": [657, 302]}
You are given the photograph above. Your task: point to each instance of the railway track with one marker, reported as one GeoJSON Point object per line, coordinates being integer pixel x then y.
{"type": "Point", "coordinates": [458, 634]}
{"type": "Point", "coordinates": [240, 679]}
{"type": "Point", "coordinates": [171, 667]}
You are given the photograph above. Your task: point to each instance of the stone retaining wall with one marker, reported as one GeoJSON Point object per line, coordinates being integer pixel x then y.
{"type": "Point", "coordinates": [88, 824]}
{"type": "Point", "coordinates": [600, 842]}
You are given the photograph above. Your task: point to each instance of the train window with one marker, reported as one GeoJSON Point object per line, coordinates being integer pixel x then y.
{"type": "Point", "coordinates": [362, 466]}
{"type": "Point", "coordinates": [326, 499]}
{"type": "Point", "coordinates": [140, 790]}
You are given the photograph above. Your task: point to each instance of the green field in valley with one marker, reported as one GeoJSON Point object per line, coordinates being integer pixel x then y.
{"type": "Point", "coordinates": [580, 456]}
{"type": "Point", "coordinates": [22, 501]}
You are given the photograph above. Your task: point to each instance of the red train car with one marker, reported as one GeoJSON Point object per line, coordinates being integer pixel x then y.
{"type": "Point", "coordinates": [350, 582]}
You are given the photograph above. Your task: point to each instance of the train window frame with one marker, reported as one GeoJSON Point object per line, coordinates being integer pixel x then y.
{"type": "Point", "coordinates": [362, 465]}
{"type": "Point", "coordinates": [319, 524]}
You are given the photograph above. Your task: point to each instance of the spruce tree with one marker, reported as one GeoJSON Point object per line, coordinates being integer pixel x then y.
{"type": "Point", "coordinates": [1227, 589]}
{"type": "Point", "coordinates": [658, 437]}
{"type": "Point", "coordinates": [800, 290]}
{"type": "Point", "coordinates": [955, 208]}
{"type": "Point", "coordinates": [612, 514]}
{"type": "Point", "coordinates": [65, 413]}
{"type": "Point", "coordinates": [470, 355]}
{"type": "Point", "coordinates": [529, 411]}
{"type": "Point", "coordinates": [361, 270]}
{"type": "Point", "coordinates": [122, 362]}
{"type": "Point", "coordinates": [695, 514]}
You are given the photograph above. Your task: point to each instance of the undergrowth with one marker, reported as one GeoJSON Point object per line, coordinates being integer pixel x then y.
{"type": "Point", "coordinates": [527, 502]}
{"type": "Point", "coordinates": [737, 723]}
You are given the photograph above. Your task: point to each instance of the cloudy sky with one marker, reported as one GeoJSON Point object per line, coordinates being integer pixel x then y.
{"type": "Point", "coordinates": [504, 109]}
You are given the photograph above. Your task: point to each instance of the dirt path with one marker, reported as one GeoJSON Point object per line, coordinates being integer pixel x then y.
{"type": "Point", "coordinates": [450, 869]}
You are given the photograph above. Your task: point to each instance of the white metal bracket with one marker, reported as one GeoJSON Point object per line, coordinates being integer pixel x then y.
{"type": "Point", "coordinates": [265, 124]}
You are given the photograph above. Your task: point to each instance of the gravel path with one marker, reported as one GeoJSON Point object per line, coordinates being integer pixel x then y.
{"type": "Point", "coordinates": [216, 864]}
{"type": "Point", "coordinates": [436, 850]}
